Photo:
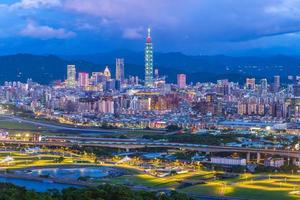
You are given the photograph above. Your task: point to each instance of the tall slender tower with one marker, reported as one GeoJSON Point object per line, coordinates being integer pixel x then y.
{"type": "Point", "coordinates": [149, 61]}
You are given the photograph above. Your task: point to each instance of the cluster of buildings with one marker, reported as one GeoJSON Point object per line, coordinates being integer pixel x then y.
{"type": "Point", "coordinates": [127, 101]}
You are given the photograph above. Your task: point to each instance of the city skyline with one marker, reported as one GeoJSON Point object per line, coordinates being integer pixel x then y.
{"type": "Point", "coordinates": [149, 100]}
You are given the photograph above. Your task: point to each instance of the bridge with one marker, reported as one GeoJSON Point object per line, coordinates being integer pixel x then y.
{"type": "Point", "coordinates": [136, 144]}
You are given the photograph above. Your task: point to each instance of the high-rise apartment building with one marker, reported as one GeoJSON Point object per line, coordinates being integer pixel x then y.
{"type": "Point", "coordinates": [250, 83]}
{"type": "Point", "coordinates": [181, 80]}
{"type": "Point", "coordinates": [71, 76]}
{"type": "Point", "coordinates": [83, 79]}
{"type": "Point", "coordinates": [263, 86]}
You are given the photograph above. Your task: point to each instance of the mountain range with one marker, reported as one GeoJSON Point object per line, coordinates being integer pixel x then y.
{"type": "Point", "coordinates": [46, 68]}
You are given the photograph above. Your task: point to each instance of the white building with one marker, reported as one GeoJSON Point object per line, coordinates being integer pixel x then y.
{"type": "Point", "coordinates": [228, 161]}
{"type": "Point", "coordinates": [274, 162]}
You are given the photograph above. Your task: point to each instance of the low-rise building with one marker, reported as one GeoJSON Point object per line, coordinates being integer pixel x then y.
{"type": "Point", "coordinates": [274, 162]}
{"type": "Point", "coordinates": [228, 161]}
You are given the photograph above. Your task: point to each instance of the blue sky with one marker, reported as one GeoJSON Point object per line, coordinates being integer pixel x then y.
{"type": "Point", "coordinates": [233, 27]}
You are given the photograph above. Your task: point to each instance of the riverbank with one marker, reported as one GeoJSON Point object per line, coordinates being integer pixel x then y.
{"type": "Point", "coordinates": [48, 180]}
{"type": "Point", "coordinates": [80, 175]}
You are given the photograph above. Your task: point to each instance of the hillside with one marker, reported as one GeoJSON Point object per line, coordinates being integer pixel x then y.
{"type": "Point", "coordinates": [46, 68]}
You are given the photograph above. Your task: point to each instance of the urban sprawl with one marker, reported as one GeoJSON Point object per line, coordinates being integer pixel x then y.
{"type": "Point", "coordinates": [122, 101]}
{"type": "Point", "coordinates": [210, 139]}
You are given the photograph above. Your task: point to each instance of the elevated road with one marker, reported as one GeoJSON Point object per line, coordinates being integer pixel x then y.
{"type": "Point", "coordinates": [132, 144]}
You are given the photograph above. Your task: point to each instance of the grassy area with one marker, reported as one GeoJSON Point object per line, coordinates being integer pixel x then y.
{"type": "Point", "coordinates": [139, 134]}
{"type": "Point", "coordinates": [11, 124]}
{"type": "Point", "coordinates": [15, 125]}
{"type": "Point", "coordinates": [259, 187]}
{"type": "Point", "coordinates": [138, 177]}
{"type": "Point", "coordinates": [274, 188]}
{"type": "Point", "coordinates": [28, 160]}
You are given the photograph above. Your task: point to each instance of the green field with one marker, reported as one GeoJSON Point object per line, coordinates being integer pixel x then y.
{"type": "Point", "coordinates": [21, 160]}
{"type": "Point", "coordinates": [258, 187]}
{"type": "Point", "coordinates": [13, 124]}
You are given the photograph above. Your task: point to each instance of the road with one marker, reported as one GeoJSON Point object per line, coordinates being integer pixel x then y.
{"type": "Point", "coordinates": [78, 129]}
{"type": "Point", "coordinates": [58, 127]}
{"type": "Point", "coordinates": [135, 144]}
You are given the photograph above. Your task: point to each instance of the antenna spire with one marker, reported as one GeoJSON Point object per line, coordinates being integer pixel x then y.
{"type": "Point", "coordinates": [149, 32]}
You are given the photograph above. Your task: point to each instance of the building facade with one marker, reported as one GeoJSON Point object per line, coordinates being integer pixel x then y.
{"type": "Point", "coordinates": [83, 79]}
{"type": "Point", "coordinates": [71, 75]}
{"type": "Point", "coordinates": [120, 75]}
{"type": "Point", "coordinates": [181, 81]}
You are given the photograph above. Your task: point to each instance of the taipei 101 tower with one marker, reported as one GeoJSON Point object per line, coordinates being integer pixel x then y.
{"type": "Point", "coordinates": [149, 61]}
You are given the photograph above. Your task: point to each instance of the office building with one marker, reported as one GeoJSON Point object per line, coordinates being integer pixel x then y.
{"type": "Point", "coordinates": [276, 85]}
{"type": "Point", "coordinates": [107, 73]}
{"type": "Point", "coordinates": [71, 76]}
{"type": "Point", "coordinates": [120, 69]}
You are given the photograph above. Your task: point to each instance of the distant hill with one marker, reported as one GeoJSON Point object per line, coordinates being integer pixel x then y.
{"type": "Point", "coordinates": [46, 68]}
{"type": "Point", "coordinates": [42, 69]}
{"type": "Point", "coordinates": [204, 68]}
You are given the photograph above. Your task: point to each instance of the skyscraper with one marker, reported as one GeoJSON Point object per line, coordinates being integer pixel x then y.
{"type": "Point", "coordinates": [83, 79]}
{"type": "Point", "coordinates": [264, 85]}
{"type": "Point", "coordinates": [149, 60]}
{"type": "Point", "coordinates": [181, 80]}
{"type": "Point", "coordinates": [107, 73]}
{"type": "Point", "coordinates": [71, 75]}
{"type": "Point", "coordinates": [120, 69]}
{"type": "Point", "coordinates": [250, 83]}
{"type": "Point", "coordinates": [276, 85]}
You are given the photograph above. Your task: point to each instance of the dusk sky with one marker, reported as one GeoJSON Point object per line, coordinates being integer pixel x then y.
{"type": "Point", "coordinates": [233, 27]}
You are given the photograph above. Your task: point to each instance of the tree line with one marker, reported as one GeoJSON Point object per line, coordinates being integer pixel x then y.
{"type": "Point", "coordinates": [102, 192]}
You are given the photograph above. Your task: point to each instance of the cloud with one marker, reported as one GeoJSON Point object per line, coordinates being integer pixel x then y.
{"type": "Point", "coordinates": [45, 32]}
{"type": "Point", "coordinates": [34, 4]}
{"type": "Point", "coordinates": [129, 12]}
{"type": "Point", "coordinates": [178, 25]}
{"type": "Point", "coordinates": [3, 6]}
{"type": "Point", "coordinates": [287, 8]}
{"type": "Point", "coordinates": [133, 33]}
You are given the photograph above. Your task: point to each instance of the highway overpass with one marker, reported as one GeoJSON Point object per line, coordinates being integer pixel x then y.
{"type": "Point", "coordinates": [129, 144]}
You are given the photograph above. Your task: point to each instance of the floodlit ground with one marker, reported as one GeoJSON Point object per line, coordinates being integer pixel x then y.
{"type": "Point", "coordinates": [198, 183]}
{"type": "Point", "coordinates": [139, 178]}
{"type": "Point", "coordinates": [258, 187]}
{"type": "Point", "coordinates": [28, 160]}
{"type": "Point", "coordinates": [251, 186]}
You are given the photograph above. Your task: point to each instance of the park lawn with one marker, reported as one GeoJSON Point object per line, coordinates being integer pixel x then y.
{"type": "Point", "coordinates": [8, 124]}
{"type": "Point", "coordinates": [275, 189]}
{"type": "Point", "coordinates": [215, 189]}
{"type": "Point", "coordinates": [27, 160]}
{"type": "Point", "coordinates": [137, 177]}
{"type": "Point", "coordinates": [143, 180]}
{"type": "Point", "coordinates": [258, 194]}
{"type": "Point", "coordinates": [211, 188]}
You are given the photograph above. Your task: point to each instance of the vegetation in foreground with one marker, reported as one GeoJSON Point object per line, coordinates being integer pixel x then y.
{"type": "Point", "coordinates": [104, 192]}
